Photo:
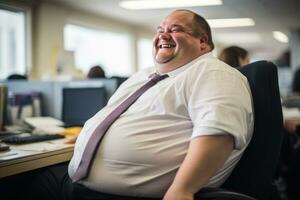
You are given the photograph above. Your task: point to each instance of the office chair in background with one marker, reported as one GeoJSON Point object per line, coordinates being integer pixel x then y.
{"type": "Point", "coordinates": [254, 173]}
{"type": "Point", "coordinates": [120, 79]}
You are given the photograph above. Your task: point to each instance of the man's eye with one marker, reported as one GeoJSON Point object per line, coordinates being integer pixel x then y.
{"type": "Point", "coordinates": [174, 30]}
{"type": "Point", "coordinates": [159, 31]}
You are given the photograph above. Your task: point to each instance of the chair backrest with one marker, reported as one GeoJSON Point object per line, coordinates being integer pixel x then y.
{"type": "Point", "coordinates": [119, 79]}
{"type": "Point", "coordinates": [254, 172]}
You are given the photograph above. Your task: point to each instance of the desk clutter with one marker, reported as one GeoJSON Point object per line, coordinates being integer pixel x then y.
{"type": "Point", "coordinates": [4, 147]}
{"type": "Point", "coordinates": [48, 110]}
{"type": "Point", "coordinates": [36, 107]}
{"type": "Point", "coordinates": [37, 129]}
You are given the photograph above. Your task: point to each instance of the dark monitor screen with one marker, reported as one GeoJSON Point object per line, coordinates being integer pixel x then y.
{"type": "Point", "coordinates": [80, 104]}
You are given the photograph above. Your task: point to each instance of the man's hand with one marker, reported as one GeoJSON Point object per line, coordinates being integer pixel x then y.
{"type": "Point", "coordinates": [71, 140]}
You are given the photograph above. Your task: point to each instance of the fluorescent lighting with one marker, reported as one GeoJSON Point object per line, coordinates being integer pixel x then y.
{"type": "Point", "coordinates": [230, 22]}
{"type": "Point", "coordinates": [157, 4]}
{"type": "Point", "coordinates": [281, 37]}
{"type": "Point", "coordinates": [238, 38]}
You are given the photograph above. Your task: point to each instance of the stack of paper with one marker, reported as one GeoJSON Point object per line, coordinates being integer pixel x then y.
{"type": "Point", "coordinates": [45, 125]}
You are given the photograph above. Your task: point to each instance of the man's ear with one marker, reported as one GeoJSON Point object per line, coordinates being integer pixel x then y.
{"type": "Point", "coordinates": [203, 42]}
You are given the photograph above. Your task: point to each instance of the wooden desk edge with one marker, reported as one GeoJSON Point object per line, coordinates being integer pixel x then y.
{"type": "Point", "coordinates": [36, 161]}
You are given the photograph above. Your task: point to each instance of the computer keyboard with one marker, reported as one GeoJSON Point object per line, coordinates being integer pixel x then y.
{"type": "Point", "coordinates": [16, 139]}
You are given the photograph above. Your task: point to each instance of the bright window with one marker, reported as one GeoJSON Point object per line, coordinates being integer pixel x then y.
{"type": "Point", "coordinates": [144, 53]}
{"type": "Point", "coordinates": [12, 43]}
{"type": "Point", "coordinates": [92, 47]}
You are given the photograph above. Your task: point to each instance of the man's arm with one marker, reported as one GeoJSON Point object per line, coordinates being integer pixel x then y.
{"type": "Point", "coordinates": [206, 155]}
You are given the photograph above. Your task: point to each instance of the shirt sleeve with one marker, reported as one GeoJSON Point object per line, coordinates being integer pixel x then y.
{"type": "Point", "coordinates": [221, 103]}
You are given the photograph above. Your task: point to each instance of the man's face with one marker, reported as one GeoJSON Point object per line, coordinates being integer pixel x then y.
{"type": "Point", "coordinates": [174, 45]}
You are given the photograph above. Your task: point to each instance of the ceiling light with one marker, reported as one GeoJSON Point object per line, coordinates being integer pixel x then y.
{"type": "Point", "coordinates": [237, 38]}
{"type": "Point", "coordinates": [230, 22]}
{"type": "Point", "coordinates": [281, 37]}
{"type": "Point", "coordinates": [157, 4]}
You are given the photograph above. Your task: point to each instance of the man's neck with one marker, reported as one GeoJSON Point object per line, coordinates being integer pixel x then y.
{"type": "Point", "coordinates": [165, 68]}
{"type": "Point", "coordinates": [171, 66]}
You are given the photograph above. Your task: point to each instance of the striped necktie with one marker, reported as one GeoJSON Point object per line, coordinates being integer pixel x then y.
{"type": "Point", "coordinates": [99, 132]}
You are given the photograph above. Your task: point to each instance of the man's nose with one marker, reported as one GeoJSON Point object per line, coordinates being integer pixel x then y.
{"type": "Point", "coordinates": [164, 36]}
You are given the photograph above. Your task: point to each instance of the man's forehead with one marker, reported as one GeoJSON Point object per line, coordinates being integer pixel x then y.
{"type": "Point", "coordinates": [178, 18]}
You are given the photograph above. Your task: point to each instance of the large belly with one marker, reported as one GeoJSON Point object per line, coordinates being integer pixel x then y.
{"type": "Point", "coordinates": [135, 156]}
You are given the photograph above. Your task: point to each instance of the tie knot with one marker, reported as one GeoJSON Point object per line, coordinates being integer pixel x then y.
{"type": "Point", "coordinates": [156, 77]}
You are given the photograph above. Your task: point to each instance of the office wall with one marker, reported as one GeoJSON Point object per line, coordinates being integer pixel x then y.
{"type": "Point", "coordinates": [48, 25]}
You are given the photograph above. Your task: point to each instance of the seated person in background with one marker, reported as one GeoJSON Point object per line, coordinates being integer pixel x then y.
{"type": "Point", "coordinates": [296, 83]}
{"type": "Point", "coordinates": [16, 77]}
{"type": "Point", "coordinates": [186, 132]}
{"type": "Point", "coordinates": [234, 56]}
{"type": "Point", "coordinates": [96, 72]}
{"type": "Point", "coordinates": [293, 100]}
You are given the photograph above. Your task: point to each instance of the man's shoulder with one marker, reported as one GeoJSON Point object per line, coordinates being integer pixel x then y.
{"type": "Point", "coordinates": [210, 65]}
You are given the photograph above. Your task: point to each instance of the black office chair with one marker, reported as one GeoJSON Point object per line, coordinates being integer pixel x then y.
{"type": "Point", "coordinates": [252, 177]}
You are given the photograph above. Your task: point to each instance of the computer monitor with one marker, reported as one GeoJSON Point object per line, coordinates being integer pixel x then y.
{"type": "Point", "coordinates": [80, 104]}
{"type": "Point", "coordinates": [58, 86]}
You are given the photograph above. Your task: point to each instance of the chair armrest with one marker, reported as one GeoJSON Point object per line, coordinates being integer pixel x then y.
{"type": "Point", "coordinates": [218, 193]}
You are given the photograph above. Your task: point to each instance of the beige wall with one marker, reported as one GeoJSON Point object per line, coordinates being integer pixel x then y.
{"type": "Point", "coordinates": [48, 38]}
{"type": "Point", "coordinates": [47, 25]}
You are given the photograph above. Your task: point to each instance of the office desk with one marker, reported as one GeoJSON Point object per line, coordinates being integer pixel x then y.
{"type": "Point", "coordinates": [22, 158]}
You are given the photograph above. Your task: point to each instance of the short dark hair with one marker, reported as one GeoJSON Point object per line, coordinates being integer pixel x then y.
{"type": "Point", "coordinates": [232, 54]}
{"type": "Point", "coordinates": [96, 72]}
{"type": "Point", "coordinates": [17, 77]}
{"type": "Point", "coordinates": [200, 27]}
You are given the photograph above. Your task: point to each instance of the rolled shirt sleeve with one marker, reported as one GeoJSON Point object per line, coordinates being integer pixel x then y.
{"type": "Point", "coordinates": [221, 103]}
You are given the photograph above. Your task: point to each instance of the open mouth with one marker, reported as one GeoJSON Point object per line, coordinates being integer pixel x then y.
{"type": "Point", "coordinates": [163, 46]}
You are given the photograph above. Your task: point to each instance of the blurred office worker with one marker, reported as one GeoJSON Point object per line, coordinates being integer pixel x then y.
{"type": "Point", "coordinates": [234, 56]}
{"type": "Point", "coordinates": [96, 72]}
{"type": "Point", "coordinates": [186, 131]}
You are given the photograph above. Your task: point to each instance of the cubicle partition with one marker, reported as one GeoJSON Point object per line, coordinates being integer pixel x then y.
{"type": "Point", "coordinates": [52, 91]}
{"type": "Point", "coordinates": [44, 87]}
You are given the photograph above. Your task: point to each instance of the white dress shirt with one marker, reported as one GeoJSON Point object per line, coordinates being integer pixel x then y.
{"type": "Point", "coordinates": [143, 149]}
